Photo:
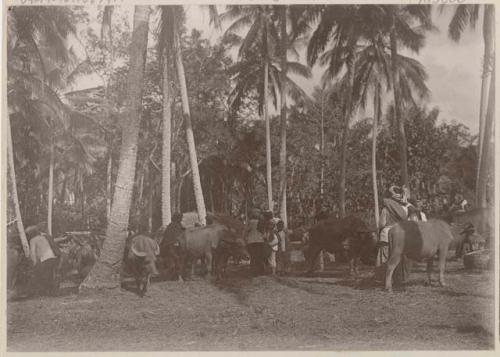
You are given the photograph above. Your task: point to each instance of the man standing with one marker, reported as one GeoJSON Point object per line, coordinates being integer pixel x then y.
{"type": "Point", "coordinates": [395, 209]}
{"type": "Point", "coordinates": [169, 246]}
{"type": "Point", "coordinates": [255, 243]}
{"type": "Point", "coordinates": [45, 263]}
{"type": "Point", "coordinates": [283, 259]}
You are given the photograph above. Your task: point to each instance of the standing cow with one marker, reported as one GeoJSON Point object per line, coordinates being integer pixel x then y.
{"type": "Point", "coordinates": [349, 235]}
{"type": "Point", "coordinates": [141, 260]}
{"type": "Point", "coordinates": [201, 243]}
{"type": "Point", "coordinates": [420, 241]}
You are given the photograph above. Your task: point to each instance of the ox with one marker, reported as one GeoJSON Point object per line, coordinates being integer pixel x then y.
{"type": "Point", "coordinates": [141, 261]}
{"type": "Point", "coordinates": [349, 235]}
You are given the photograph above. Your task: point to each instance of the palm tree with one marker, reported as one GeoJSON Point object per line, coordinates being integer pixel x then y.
{"type": "Point", "coordinates": [398, 23]}
{"type": "Point", "coordinates": [166, 45]}
{"type": "Point", "coordinates": [344, 27]}
{"type": "Point", "coordinates": [468, 14]}
{"type": "Point", "coordinates": [257, 18]}
{"type": "Point", "coordinates": [373, 74]}
{"type": "Point", "coordinates": [198, 193]}
{"type": "Point", "coordinates": [283, 73]}
{"type": "Point", "coordinates": [106, 272]}
{"type": "Point", "coordinates": [107, 37]}
{"type": "Point", "coordinates": [256, 54]}
{"type": "Point", "coordinates": [170, 45]}
{"type": "Point", "coordinates": [14, 213]}
{"type": "Point", "coordinates": [38, 58]}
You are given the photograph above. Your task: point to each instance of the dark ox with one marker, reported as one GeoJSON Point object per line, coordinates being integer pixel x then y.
{"type": "Point", "coordinates": [420, 241]}
{"type": "Point", "coordinates": [141, 261]}
{"type": "Point", "coordinates": [346, 236]}
{"type": "Point", "coordinates": [228, 247]}
{"type": "Point", "coordinates": [203, 242]}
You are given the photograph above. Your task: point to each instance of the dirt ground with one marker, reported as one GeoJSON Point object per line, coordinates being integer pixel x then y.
{"type": "Point", "coordinates": [325, 312]}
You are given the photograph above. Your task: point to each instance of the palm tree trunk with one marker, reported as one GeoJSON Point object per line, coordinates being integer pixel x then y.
{"type": "Point", "coordinates": [485, 162]}
{"type": "Point", "coordinates": [269, 175]}
{"type": "Point", "coordinates": [198, 193]}
{"type": "Point", "coordinates": [376, 118]}
{"type": "Point", "coordinates": [50, 197]}
{"type": "Point", "coordinates": [345, 140]}
{"type": "Point", "coordinates": [14, 213]}
{"type": "Point", "coordinates": [283, 178]}
{"type": "Point", "coordinates": [166, 208]}
{"type": "Point", "coordinates": [488, 61]}
{"type": "Point", "coordinates": [109, 186]}
{"type": "Point", "coordinates": [322, 149]}
{"type": "Point", "coordinates": [107, 36]}
{"type": "Point", "coordinates": [397, 109]}
{"type": "Point", "coordinates": [150, 201]}
{"type": "Point", "coordinates": [106, 272]}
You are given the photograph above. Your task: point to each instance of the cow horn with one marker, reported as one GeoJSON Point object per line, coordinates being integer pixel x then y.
{"type": "Point", "coordinates": [137, 253]}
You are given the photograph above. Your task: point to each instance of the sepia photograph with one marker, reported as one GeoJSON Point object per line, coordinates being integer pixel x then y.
{"type": "Point", "coordinates": [249, 177]}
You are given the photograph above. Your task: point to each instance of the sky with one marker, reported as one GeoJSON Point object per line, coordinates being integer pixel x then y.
{"type": "Point", "coordinates": [454, 69]}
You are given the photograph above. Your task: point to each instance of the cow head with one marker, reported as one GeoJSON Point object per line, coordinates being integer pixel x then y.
{"type": "Point", "coordinates": [146, 261]}
{"type": "Point", "coordinates": [236, 247]}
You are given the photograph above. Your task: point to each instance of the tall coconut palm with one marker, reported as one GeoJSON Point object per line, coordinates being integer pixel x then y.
{"type": "Point", "coordinates": [107, 37]}
{"type": "Point", "coordinates": [373, 75]}
{"type": "Point", "coordinates": [257, 18]}
{"type": "Point", "coordinates": [198, 193]}
{"type": "Point", "coordinates": [406, 25]}
{"type": "Point", "coordinates": [106, 271]}
{"type": "Point", "coordinates": [468, 14]}
{"type": "Point", "coordinates": [14, 213]}
{"type": "Point", "coordinates": [257, 51]}
{"type": "Point", "coordinates": [38, 55]}
{"type": "Point", "coordinates": [166, 46]}
{"type": "Point", "coordinates": [343, 27]}
{"type": "Point", "coordinates": [283, 124]}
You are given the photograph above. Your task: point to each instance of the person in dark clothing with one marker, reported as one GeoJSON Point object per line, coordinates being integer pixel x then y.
{"type": "Point", "coordinates": [256, 246]}
{"type": "Point", "coordinates": [169, 247]}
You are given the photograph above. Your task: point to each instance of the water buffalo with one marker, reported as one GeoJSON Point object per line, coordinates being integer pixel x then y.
{"type": "Point", "coordinates": [141, 260]}
{"type": "Point", "coordinates": [201, 242]}
{"type": "Point", "coordinates": [419, 241]}
{"type": "Point", "coordinates": [228, 247]}
{"type": "Point", "coordinates": [346, 236]}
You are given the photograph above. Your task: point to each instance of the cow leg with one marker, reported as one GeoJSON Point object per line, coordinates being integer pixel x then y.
{"type": "Point", "coordinates": [392, 263]}
{"type": "Point", "coordinates": [208, 263]}
{"type": "Point", "coordinates": [313, 257]}
{"type": "Point", "coordinates": [430, 264]}
{"type": "Point", "coordinates": [442, 265]}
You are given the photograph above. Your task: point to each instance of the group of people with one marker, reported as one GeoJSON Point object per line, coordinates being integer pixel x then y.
{"type": "Point", "coordinates": [267, 244]}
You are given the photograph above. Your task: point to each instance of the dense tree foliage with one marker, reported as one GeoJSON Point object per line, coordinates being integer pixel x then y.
{"type": "Point", "coordinates": [84, 127]}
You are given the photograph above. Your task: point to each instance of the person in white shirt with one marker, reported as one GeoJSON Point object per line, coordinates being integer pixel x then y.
{"type": "Point", "coordinates": [45, 263]}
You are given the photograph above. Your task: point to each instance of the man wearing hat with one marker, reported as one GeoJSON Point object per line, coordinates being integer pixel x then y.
{"type": "Point", "coordinates": [395, 209]}
{"type": "Point", "coordinates": [254, 237]}
{"type": "Point", "coordinates": [45, 262]}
